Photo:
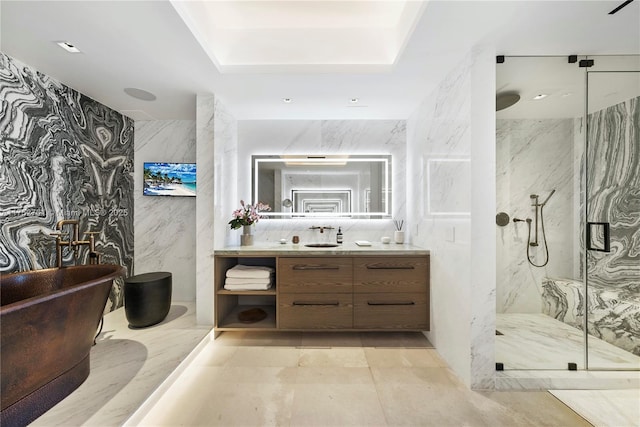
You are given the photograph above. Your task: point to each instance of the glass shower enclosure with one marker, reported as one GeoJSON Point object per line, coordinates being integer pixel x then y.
{"type": "Point", "coordinates": [568, 180]}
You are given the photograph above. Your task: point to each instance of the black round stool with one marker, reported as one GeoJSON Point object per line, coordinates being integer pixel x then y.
{"type": "Point", "coordinates": [147, 298]}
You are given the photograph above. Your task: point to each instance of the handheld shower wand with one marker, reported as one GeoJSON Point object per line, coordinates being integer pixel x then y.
{"type": "Point", "coordinates": [548, 197]}
{"type": "Point", "coordinates": [539, 215]}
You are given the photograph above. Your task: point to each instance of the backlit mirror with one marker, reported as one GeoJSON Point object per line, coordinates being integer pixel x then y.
{"type": "Point", "coordinates": [354, 186]}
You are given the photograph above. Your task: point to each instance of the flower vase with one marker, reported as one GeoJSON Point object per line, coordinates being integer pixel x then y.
{"type": "Point", "coordinates": [246, 238]}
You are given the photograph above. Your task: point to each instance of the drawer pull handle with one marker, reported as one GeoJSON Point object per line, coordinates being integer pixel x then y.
{"type": "Point", "coordinates": [389, 267]}
{"type": "Point", "coordinates": [335, 303]}
{"type": "Point", "coordinates": [391, 303]}
{"type": "Point", "coordinates": [315, 267]}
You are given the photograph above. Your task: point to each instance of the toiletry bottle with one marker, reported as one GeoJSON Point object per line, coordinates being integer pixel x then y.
{"type": "Point", "coordinates": [339, 236]}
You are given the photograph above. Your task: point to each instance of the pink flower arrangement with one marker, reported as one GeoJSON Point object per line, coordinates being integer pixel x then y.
{"type": "Point", "coordinates": [247, 214]}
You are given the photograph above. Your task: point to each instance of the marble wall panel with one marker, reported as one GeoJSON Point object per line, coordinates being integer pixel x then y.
{"type": "Point", "coordinates": [205, 222]}
{"type": "Point", "coordinates": [227, 173]}
{"type": "Point", "coordinates": [165, 232]}
{"type": "Point", "coordinates": [534, 157]}
{"type": "Point", "coordinates": [611, 311]}
{"type": "Point", "coordinates": [216, 148]}
{"type": "Point", "coordinates": [321, 137]}
{"type": "Point", "coordinates": [62, 156]}
{"type": "Point", "coordinates": [456, 113]}
{"type": "Point", "coordinates": [483, 202]}
{"type": "Point", "coordinates": [613, 193]}
{"type": "Point", "coordinates": [441, 127]}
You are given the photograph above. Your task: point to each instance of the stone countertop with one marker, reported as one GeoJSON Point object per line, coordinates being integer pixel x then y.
{"type": "Point", "coordinates": [346, 249]}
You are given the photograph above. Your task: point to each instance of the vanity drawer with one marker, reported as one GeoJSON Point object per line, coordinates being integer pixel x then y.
{"type": "Point", "coordinates": [391, 274]}
{"type": "Point", "coordinates": [315, 275]}
{"type": "Point", "coordinates": [391, 311]}
{"type": "Point", "coordinates": [315, 311]}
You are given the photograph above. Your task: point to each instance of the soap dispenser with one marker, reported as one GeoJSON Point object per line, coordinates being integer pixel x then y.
{"type": "Point", "coordinates": [339, 236]}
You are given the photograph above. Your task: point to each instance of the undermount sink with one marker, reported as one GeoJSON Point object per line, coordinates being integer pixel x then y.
{"type": "Point", "coordinates": [321, 245]}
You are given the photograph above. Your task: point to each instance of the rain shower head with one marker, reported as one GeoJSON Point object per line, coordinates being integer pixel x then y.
{"type": "Point", "coordinates": [506, 100]}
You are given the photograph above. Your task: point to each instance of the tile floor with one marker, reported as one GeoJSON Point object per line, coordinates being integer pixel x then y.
{"type": "Point", "coordinates": [604, 408]}
{"type": "Point", "coordinates": [127, 365]}
{"type": "Point", "coordinates": [537, 341]}
{"type": "Point", "coordinates": [329, 379]}
{"type": "Point", "coordinates": [300, 379]}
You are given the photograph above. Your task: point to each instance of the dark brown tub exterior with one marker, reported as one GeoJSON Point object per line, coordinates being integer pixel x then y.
{"type": "Point", "coordinates": [48, 320]}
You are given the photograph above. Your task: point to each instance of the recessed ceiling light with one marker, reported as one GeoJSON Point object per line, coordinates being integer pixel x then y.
{"type": "Point", "coordinates": [68, 47]}
{"type": "Point", "coordinates": [540, 96]}
{"type": "Point", "coordinates": [139, 94]}
{"type": "Point", "coordinates": [287, 100]}
{"type": "Point", "coordinates": [354, 100]}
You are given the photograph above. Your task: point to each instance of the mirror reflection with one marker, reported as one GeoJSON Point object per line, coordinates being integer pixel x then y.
{"type": "Point", "coordinates": [355, 186]}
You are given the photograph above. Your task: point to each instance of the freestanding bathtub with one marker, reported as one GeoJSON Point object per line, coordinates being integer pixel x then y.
{"type": "Point", "coordinates": [48, 320]}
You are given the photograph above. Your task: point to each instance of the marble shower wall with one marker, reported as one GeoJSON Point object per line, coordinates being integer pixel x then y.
{"type": "Point", "coordinates": [613, 193]}
{"type": "Point", "coordinates": [165, 231]}
{"type": "Point", "coordinates": [321, 137]}
{"type": "Point", "coordinates": [451, 138]}
{"type": "Point", "coordinates": [534, 157]}
{"type": "Point", "coordinates": [62, 156]}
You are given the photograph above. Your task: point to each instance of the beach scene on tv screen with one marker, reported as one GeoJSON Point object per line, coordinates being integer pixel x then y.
{"type": "Point", "coordinates": [169, 179]}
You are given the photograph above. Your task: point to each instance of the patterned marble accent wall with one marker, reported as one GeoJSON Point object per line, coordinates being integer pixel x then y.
{"type": "Point", "coordinates": [165, 231]}
{"type": "Point", "coordinates": [321, 137]}
{"type": "Point", "coordinates": [611, 310]}
{"type": "Point", "coordinates": [63, 156]}
{"type": "Point", "coordinates": [613, 193]}
{"type": "Point", "coordinates": [534, 157]}
{"type": "Point", "coordinates": [613, 196]}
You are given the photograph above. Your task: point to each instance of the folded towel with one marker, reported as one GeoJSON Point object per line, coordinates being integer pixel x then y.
{"type": "Point", "coordinates": [250, 271]}
{"type": "Point", "coordinates": [244, 281]}
{"type": "Point", "coordinates": [249, 287]}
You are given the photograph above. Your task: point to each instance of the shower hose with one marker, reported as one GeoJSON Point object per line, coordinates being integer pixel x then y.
{"type": "Point", "coordinates": [544, 240]}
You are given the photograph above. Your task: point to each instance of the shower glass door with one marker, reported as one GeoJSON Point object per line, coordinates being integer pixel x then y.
{"type": "Point", "coordinates": [612, 229]}
{"type": "Point", "coordinates": [539, 143]}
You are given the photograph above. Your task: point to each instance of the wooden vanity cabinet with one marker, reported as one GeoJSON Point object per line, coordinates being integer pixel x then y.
{"type": "Point", "coordinates": [332, 292]}
{"type": "Point", "coordinates": [315, 293]}
{"type": "Point", "coordinates": [315, 275]}
{"type": "Point", "coordinates": [391, 293]}
{"type": "Point", "coordinates": [315, 311]}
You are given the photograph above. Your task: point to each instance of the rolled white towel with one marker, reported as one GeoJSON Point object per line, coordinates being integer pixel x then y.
{"type": "Point", "coordinates": [245, 281]}
{"type": "Point", "coordinates": [247, 287]}
{"type": "Point", "coordinates": [250, 271]}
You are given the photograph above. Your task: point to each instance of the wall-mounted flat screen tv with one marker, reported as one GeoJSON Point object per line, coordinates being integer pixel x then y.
{"type": "Point", "coordinates": [169, 179]}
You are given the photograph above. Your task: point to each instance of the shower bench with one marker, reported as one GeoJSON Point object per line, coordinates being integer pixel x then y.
{"type": "Point", "coordinates": [612, 310]}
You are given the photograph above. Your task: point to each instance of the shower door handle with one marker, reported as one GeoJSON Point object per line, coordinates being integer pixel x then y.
{"type": "Point", "coordinates": [606, 237]}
